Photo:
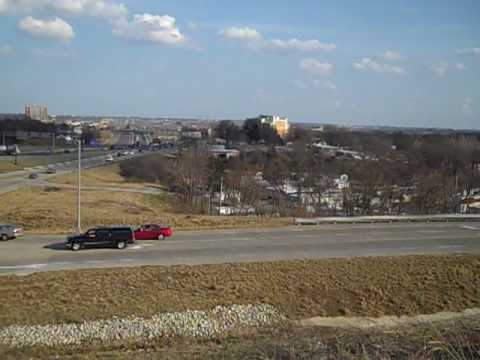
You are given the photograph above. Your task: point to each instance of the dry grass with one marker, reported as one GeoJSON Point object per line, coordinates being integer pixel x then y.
{"type": "Point", "coordinates": [7, 166]}
{"type": "Point", "coordinates": [53, 210]}
{"type": "Point", "coordinates": [108, 175]}
{"type": "Point", "coordinates": [300, 289]}
{"type": "Point", "coordinates": [459, 340]}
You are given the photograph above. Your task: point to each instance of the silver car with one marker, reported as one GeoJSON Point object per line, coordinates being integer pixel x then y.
{"type": "Point", "coordinates": [8, 232]}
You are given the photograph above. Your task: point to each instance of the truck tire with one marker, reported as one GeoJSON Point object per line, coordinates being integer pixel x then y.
{"type": "Point", "coordinates": [4, 237]}
{"type": "Point", "coordinates": [76, 246]}
{"type": "Point", "coordinates": [121, 245]}
{"type": "Point", "coordinates": [161, 237]}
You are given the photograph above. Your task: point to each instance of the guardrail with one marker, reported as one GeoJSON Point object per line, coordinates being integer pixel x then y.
{"type": "Point", "coordinates": [388, 219]}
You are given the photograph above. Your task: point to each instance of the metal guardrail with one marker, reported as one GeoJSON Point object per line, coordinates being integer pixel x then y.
{"type": "Point", "coordinates": [388, 219]}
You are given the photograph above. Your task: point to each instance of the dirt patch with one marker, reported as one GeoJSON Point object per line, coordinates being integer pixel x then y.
{"type": "Point", "coordinates": [387, 322]}
{"type": "Point", "coordinates": [300, 289]}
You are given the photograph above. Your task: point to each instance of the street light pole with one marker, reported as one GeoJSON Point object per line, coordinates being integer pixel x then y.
{"type": "Point", "coordinates": [79, 192]}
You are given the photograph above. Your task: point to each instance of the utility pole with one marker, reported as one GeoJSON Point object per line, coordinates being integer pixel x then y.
{"type": "Point", "coordinates": [221, 196]}
{"type": "Point", "coordinates": [79, 193]}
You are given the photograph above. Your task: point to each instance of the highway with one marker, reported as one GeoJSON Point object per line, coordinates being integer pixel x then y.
{"type": "Point", "coordinates": [46, 253]}
{"type": "Point", "coordinates": [16, 180]}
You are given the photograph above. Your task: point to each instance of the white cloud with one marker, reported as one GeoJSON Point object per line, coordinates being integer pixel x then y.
{"type": "Point", "coordinates": [467, 105]}
{"type": "Point", "coordinates": [327, 85]}
{"type": "Point", "coordinates": [240, 33]}
{"type": "Point", "coordinates": [104, 8]}
{"type": "Point", "coordinates": [5, 49]}
{"type": "Point", "coordinates": [58, 54]}
{"type": "Point", "coordinates": [391, 55]}
{"type": "Point", "coordinates": [367, 64]}
{"type": "Point", "coordinates": [255, 41]}
{"type": "Point", "coordinates": [55, 28]}
{"type": "Point", "coordinates": [460, 66]}
{"type": "Point", "coordinates": [152, 28]}
{"type": "Point", "coordinates": [300, 45]}
{"type": "Point", "coordinates": [440, 69]}
{"type": "Point", "coordinates": [316, 67]}
{"type": "Point", "coordinates": [299, 84]}
{"type": "Point", "coordinates": [471, 51]}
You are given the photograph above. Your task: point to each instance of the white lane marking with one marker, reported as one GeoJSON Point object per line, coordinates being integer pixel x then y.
{"type": "Point", "coordinates": [139, 247]}
{"type": "Point", "coordinates": [451, 247]}
{"type": "Point", "coordinates": [468, 227]}
{"type": "Point", "coordinates": [17, 267]}
{"type": "Point", "coordinates": [208, 240]}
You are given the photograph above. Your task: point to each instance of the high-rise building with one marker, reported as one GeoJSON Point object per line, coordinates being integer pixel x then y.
{"type": "Point", "coordinates": [37, 112]}
{"type": "Point", "coordinates": [280, 124]}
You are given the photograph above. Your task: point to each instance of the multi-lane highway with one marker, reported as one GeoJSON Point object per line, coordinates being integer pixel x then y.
{"type": "Point", "coordinates": [16, 180]}
{"type": "Point", "coordinates": [44, 253]}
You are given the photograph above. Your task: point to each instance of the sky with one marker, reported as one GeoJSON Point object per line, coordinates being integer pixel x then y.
{"type": "Point", "coordinates": [397, 62]}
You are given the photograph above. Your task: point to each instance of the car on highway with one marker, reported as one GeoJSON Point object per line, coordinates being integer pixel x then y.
{"type": "Point", "coordinates": [116, 237]}
{"type": "Point", "coordinates": [153, 232]}
{"type": "Point", "coordinates": [109, 159]}
{"type": "Point", "coordinates": [51, 170]}
{"type": "Point", "coordinates": [33, 176]}
{"type": "Point", "coordinates": [8, 232]}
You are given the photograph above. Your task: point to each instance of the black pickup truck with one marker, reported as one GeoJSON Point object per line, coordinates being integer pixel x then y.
{"type": "Point", "coordinates": [116, 237]}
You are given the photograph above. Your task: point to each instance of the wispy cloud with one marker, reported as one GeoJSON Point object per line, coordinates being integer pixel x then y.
{"type": "Point", "coordinates": [316, 67]}
{"type": "Point", "coordinates": [470, 51]}
{"type": "Point", "coordinates": [392, 55]}
{"type": "Point", "coordinates": [467, 105]}
{"type": "Point", "coordinates": [443, 67]}
{"type": "Point", "coordinates": [299, 45]}
{"type": "Point", "coordinates": [6, 49]}
{"type": "Point", "coordinates": [440, 69]}
{"type": "Point", "coordinates": [368, 64]}
{"type": "Point", "coordinates": [256, 41]}
{"type": "Point", "coordinates": [103, 8]}
{"type": "Point", "coordinates": [327, 85]}
{"type": "Point", "coordinates": [240, 33]}
{"type": "Point", "coordinates": [55, 28]}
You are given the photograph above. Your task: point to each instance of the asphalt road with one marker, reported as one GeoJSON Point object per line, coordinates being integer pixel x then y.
{"type": "Point", "coordinates": [16, 180]}
{"type": "Point", "coordinates": [45, 253]}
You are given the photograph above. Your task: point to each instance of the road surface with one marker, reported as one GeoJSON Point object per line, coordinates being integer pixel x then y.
{"type": "Point", "coordinates": [45, 253]}
{"type": "Point", "coordinates": [14, 181]}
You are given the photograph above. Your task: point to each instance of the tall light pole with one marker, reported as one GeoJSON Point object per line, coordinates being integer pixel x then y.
{"type": "Point", "coordinates": [79, 190]}
{"type": "Point", "coordinates": [78, 132]}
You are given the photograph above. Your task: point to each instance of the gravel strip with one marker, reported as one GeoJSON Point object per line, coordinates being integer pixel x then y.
{"type": "Point", "coordinates": [195, 324]}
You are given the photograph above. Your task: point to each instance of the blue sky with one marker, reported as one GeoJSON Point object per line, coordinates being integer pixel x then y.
{"type": "Point", "coordinates": [401, 63]}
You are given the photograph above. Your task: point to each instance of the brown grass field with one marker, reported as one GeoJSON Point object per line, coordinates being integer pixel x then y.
{"type": "Point", "coordinates": [300, 289]}
{"type": "Point", "coordinates": [53, 210]}
{"type": "Point", "coordinates": [102, 176]}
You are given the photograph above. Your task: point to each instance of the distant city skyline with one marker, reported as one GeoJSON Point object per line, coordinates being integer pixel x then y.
{"type": "Point", "coordinates": [403, 64]}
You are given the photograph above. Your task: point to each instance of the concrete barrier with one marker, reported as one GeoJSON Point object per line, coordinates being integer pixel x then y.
{"type": "Point", "coordinates": [388, 219]}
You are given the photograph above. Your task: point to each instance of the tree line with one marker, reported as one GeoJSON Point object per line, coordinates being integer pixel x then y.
{"type": "Point", "coordinates": [406, 174]}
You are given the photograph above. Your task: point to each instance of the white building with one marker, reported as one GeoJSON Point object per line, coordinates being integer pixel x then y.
{"type": "Point", "coordinates": [37, 112]}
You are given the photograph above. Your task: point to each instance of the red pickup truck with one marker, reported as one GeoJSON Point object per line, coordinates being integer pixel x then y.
{"type": "Point", "coordinates": [153, 232]}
